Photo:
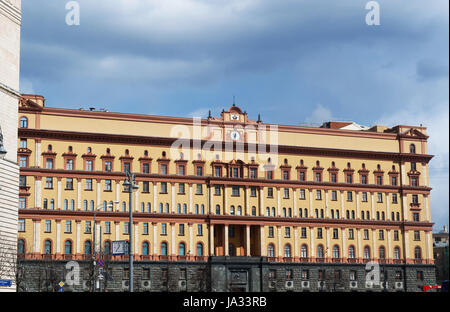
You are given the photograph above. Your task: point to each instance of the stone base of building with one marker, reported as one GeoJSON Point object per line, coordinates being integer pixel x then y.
{"type": "Point", "coordinates": [223, 274]}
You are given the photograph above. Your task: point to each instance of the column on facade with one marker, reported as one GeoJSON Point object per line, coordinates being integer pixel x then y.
{"type": "Point", "coordinates": [296, 254]}
{"type": "Point", "coordinates": [78, 236]}
{"type": "Point", "coordinates": [97, 242]}
{"type": "Point", "coordinates": [78, 194]}
{"type": "Point", "coordinates": [405, 207]}
{"type": "Point", "coordinates": [372, 206]}
{"type": "Point", "coordinates": [261, 201]}
{"type": "Point", "coordinates": [58, 236]}
{"type": "Point", "coordinates": [344, 245]}
{"type": "Point", "coordinates": [136, 238]}
{"type": "Point", "coordinates": [155, 206]}
{"type": "Point", "coordinates": [326, 204]}
{"type": "Point", "coordinates": [311, 243]}
{"type": "Point", "coordinates": [190, 198]}
{"type": "Point", "coordinates": [225, 247]}
{"type": "Point", "coordinates": [278, 203]}
{"type": "Point", "coordinates": [99, 185]}
{"type": "Point", "coordinates": [210, 204]}
{"type": "Point", "coordinates": [136, 201]}
{"type": "Point", "coordinates": [403, 173]}
{"type": "Point", "coordinates": [247, 240]}
{"type": "Point", "coordinates": [358, 235]}
{"type": "Point", "coordinates": [37, 236]}
{"type": "Point", "coordinates": [262, 241]}
{"type": "Point", "coordinates": [389, 253]}
{"type": "Point", "coordinates": [279, 250]}
{"type": "Point", "coordinates": [211, 240]}
{"type": "Point", "coordinates": [424, 174]}
{"type": "Point", "coordinates": [117, 206]}
{"type": "Point", "coordinates": [225, 198]}
{"type": "Point", "coordinates": [247, 212]}
{"type": "Point", "coordinates": [58, 192]}
{"type": "Point", "coordinates": [428, 250]}
{"type": "Point", "coordinates": [374, 243]}
{"type": "Point", "coordinates": [328, 250]}
{"type": "Point", "coordinates": [406, 244]}
{"type": "Point", "coordinates": [358, 215]}
{"type": "Point", "coordinates": [172, 238]}
{"type": "Point", "coordinates": [191, 238]}
{"type": "Point", "coordinates": [155, 240]}
{"type": "Point", "coordinates": [294, 191]}
{"type": "Point", "coordinates": [388, 209]}
{"type": "Point", "coordinates": [310, 212]}
{"type": "Point", "coordinates": [38, 192]}
{"type": "Point", "coordinates": [342, 205]}
{"type": "Point", "coordinates": [172, 204]}
{"type": "Point", "coordinates": [116, 230]}
{"type": "Point", "coordinates": [37, 158]}
{"type": "Point", "coordinates": [426, 208]}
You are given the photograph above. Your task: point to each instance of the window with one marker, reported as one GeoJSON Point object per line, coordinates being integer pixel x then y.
{"type": "Point", "coordinates": [217, 171]}
{"type": "Point", "coordinates": [304, 251]}
{"type": "Point", "coordinates": [379, 180]}
{"type": "Point", "coordinates": [271, 235]}
{"type": "Point", "coordinates": [351, 234]}
{"type": "Point", "coordinates": [21, 225]}
{"type": "Point", "coordinates": [87, 228]}
{"type": "Point", "coordinates": [48, 183]}
{"type": "Point", "coordinates": [352, 275]}
{"type": "Point", "coordinates": [23, 143]}
{"type": "Point", "coordinates": [88, 186]}
{"type": "Point", "coordinates": [68, 247]}
{"type": "Point", "coordinates": [269, 192]}
{"type": "Point", "coordinates": [414, 181]}
{"type": "Point", "coordinates": [413, 166]}
{"type": "Point", "coordinates": [285, 175]}
{"type": "Point", "coordinates": [23, 161]}
{"type": "Point", "coordinates": [145, 168]}
{"type": "Point", "coordinates": [235, 172]}
{"type": "Point", "coordinates": [336, 252]}
{"type": "Point", "coordinates": [416, 216]}
{"type": "Point", "coordinates": [89, 165]}
{"type": "Point", "coordinates": [164, 251]}
{"type": "Point", "coordinates": [366, 252]}
{"type": "Point", "coordinates": [199, 230]}
{"type": "Point", "coordinates": [366, 234]}
{"type": "Point", "coordinates": [318, 194]}
{"type": "Point", "coordinates": [199, 189]}
{"type": "Point", "coordinates": [217, 190]}
{"type": "Point", "coordinates": [303, 232]}
{"type": "Point", "coordinates": [69, 164]}
{"type": "Point", "coordinates": [305, 274]}
{"type": "Point", "coordinates": [182, 250]}
{"type": "Point", "coordinates": [48, 226]}
{"type": "Point", "coordinates": [23, 122]}
{"type": "Point", "coordinates": [415, 199]}
{"type": "Point", "coordinates": [394, 181]}
{"type": "Point", "coordinates": [87, 247]}
{"type": "Point", "coordinates": [417, 253]}
{"type": "Point", "coordinates": [381, 235]}
{"type": "Point", "coordinates": [199, 171]}
{"type": "Point", "coordinates": [181, 188]}
{"type": "Point", "coordinates": [394, 198]}
{"type": "Point", "coordinates": [301, 176]}
{"type": "Point", "coordinates": [252, 191]}
{"type": "Point", "coordinates": [126, 228]}
{"type": "Point", "coordinates": [351, 252]}
{"type": "Point", "coordinates": [363, 179]}
{"type": "Point", "coordinates": [163, 169]}
{"type": "Point", "coordinates": [270, 250]}
{"type": "Point", "coordinates": [49, 163]}
{"type": "Point", "coordinates": [108, 166]}
{"type": "Point", "coordinates": [181, 229]}
{"type": "Point", "coordinates": [318, 177]}
{"type": "Point", "coordinates": [199, 250]}
{"type": "Point", "coordinates": [107, 227]}
{"type": "Point", "coordinates": [396, 235]}
{"type": "Point", "coordinates": [269, 175]}
{"type": "Point", "coordinates": [253, 173]}
{"type": "Point", "coordinates": [218, 209]}
{"type": "Point", "coordinates": [382, 252]}
{"type": "Point", "coordinates": [333, 178]}
{"type": "Point", "coordinates": [349, 196]}
{"type": "Point", "coordinates": [349, 178]}
{"type": "Point", "coordinates": [417, 235]}
{"type": "Point", "coordinates": [235, 190]}
{"type": "Point", "coordinates": [286, 193]}
{"type": "Point", "coordinates": [163, 188]}
{"type": "Point", "coordinates": [319, 232]}
{"type": "Point", "coordinates": [287, 232]}
{"type": "Point", "coordinates": [68, 227]}
{"type": "Point", "coordinates": [302, 194]}
{"type": "Point", "coordinates": [47, 247]}
{"type": "Point", "coordinates": [108, 186]}
{"type": "Point", "coordinates": [412, 149]}
{"type": "Point", "coordinates": [333, 195]}
{"type": "Point", "coordinates": [364, 196]}
{"type": "Point", "coordinates": [163, 229]}
{"type": "Point", "coordinates": [287, 251]}
{"type": "Point", "coordinates": [379, 197]}
{"type": "Point", "coordinates": [335, 233]}
{"type": "Point", "coordinates": [420, 276]}
{"type": "Point", "coordinates": [320, 251]}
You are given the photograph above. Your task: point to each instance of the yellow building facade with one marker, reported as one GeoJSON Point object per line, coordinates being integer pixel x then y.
{"type": "Point", "coordinates": [220, 186]}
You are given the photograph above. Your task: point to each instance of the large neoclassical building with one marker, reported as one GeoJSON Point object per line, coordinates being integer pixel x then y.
{"type": "Point", "coordinates": [225, 203]}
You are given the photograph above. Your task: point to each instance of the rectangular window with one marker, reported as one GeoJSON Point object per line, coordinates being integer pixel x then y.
{"type": "Point", "coordinates": [394, 199]}
{"type": "Point", "coordinates": [352, 275]}
{"type": "Point", "coordinates": [181, 188]}
{"type": "Point", "coordinates": [394, 181]}
{"type": "Point", "coordinates": [333, 178]}
{"type": "Point", "coordinates": [49, 163]}
{"type": "Point", "coordinates": [68, 226]}
{"type": "Point", "coordinates": [126, 228]}
{"type": "Point", "coordinates": [252, 191]}
{"type": "Point", "coordinates": [48, 226]}
{"type": "Point", "coordinates": [285, 175]}
{"type": "Point", "coordinates": [381, 235]}
{"type": "Point", "coordinates": [88, 165]}
{"type": "Point", "coordinates": [366, 234]}
{"type": "Point", "coordinates": [413, 166]}
{"type": "Point", "coordinates": [108, 227]}
{"type": "Point", "coordinates": [199, 171]}
{"type": "Point", "coordinates": [349, 178]}
{"type": "Point", "coordinates": [108, 186]}
{"type": "Point", "coordinates": [145, 168]}
{"type": "Point", "coordinates": [145, 228]}
{"type": "Point", "coordinates": [253, 173]}
{"type": "Point", "coordinates": [69, 184]}
{"type": "Point", "coordinates": [396, 235]}
{"type": "Point", "coordinates": [163, 229]}
{"type": "Point", "coordinates": [145, 187]}
{"type": "Point", "coordinates": [319, 232]}
{"type": "Point", "coordinates": [417, 235]}
{"type": "Point", "coordinates": [163, 169]}
{"type": "Point", "coordinates": [145, 274]}
{"type": "Point", "coordinates": [164, 187]}
{"type": "Point", "coordinates": [363, 179]}
{"type": "Point", "coordinates": [271, 235]}
{"type": "Point", "coordinates": [415, 199]}
{"type": "Point", "coordinates": [217, 171]}
{"type": "Point", "coordinates": [69, 164]}
{"type": "Point", "coordinates": [23, 162]}
{"type": "Point", "coordinates": [269, 175]}
{"type": "Point", "coordinates": [333, 195]}
{"type": "Point", "coordinates": [108, 166]}
{"type": "Point", "coordinates": [199, 230]}
{"type": "Point", "coordinates": [21, 225]}
{"type": "Point", "coordinates": [48, 183]}
{"type": "Point", "coordinates": [217, 190]}
{"type": "Point", "coordinates": [181, 229]}
{"type": "Point", "coordinates": [286, 193]}
{"type": "Point", "coordinates": [379, 180]}
{"type": "Point", "coordinates": [22, 202]}
{"type": "Point", "coordinates": [349, 196]}
{"type": "Point", "coordinates": [351, 234]}
{"type": "Point", "coordinates": [301, 176]}
{"type": "Point", "coordinates": [289, 274]}
{"type": "Point", "coordinates": [287, 232]}
{"type": "Point", "coordinates": [23, 143]}
{"type": "Point", "coordinates": [270, 192]}
{"type": "Point", "coordinates": [23, 181]}
{"type": "Point", "coordinates": [416, 216]}
{"type": "Point", "coordinates": [318, 194]}
{"type": "Point", "coordinates": [318, 177]}
{"type": "Point", "coordinates": [235, 190]}
{"type": "Point", "coordinates": [302, 194]}
{"type": "Point", "coordinates": [88, 186]}
{"type": "Point", "coordinates": [335, 233]}
{"type": "Point", "coordinates": [305, 274]}
{"type": "Point", "coordinates": [199, 190]}
{"type": "Point", "coordinates": [364, 196]}
{"type": "Point", "coordinates": [303, 232]}
{"type": "Point", "coordinates": [87, 227]}
{"type": "Point", "coordinates": [379, 197]}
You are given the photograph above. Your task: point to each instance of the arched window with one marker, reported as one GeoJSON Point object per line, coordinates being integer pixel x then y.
{"type": "Point", "coordinates": [111, 206]}
{"type": "Point", "coordinates": [72, 204]}
{"type": "Point", "coordinates": [273, 211]}
{"type": "Point", "coordinates": [23, 122]}
{"type": "Point", "coordinates": [290, 212]}
{"type": "Point", "coordinates": [142, 207]}
{"type": "Point", "coordinates": [284, 212]}
{"type": "Point", "coordinates": [68, 247]}
{"type": "Point", "coordinates": [107, 248]}
{"type": "Point", "coordinates": [105, 204]}
{"type": "Point", "coordinates": [199, 250]}
{"type": "Point", "coordinates": [230, 249]}
{"type": "Point", "coordinates": [336, 254]}
{"type": "Point", "coordinates": [382, 252]}
{"type": "Point", "coordinates": [124, 206]}
{"type": "Point", "coordinates": [167, 207]}
{"type": "Point", "coordinates": [48, 247]}
{"type": "Point", "coordinates": [181, 249]}
{"type": "Point", "coordinates": [287, 251]}
{"type": "Point", "coordinates": [304, 251]}
{"type": "Point", "coordinates": [92, 205]}
{"type": "Point", "coordinates": [320, 251]}
{"type": "Point", "coordinates": [161, 207]}
{"type": "Point", "coordinates": [351, 252]}
{"type": "Point", "coordinates": [145, 249]}
{"type": "Point", "coordinates": [268, 211]}
{"type": "Point", "coordinates": [184, 208]}
{"type": "Point", "coordinates": [218, 209]}
{"type": "Point", "coordinates": [66, 204]}
{"type": "Point", "coordinates": [366, 252]}
{"type": "Point", "coordinates": [163, 249]}
{"type": "Point", "coordinates": [178, 208]}
{"type": "Point", "coordinates": [149, 207]}
{"type": "Point", "coordinates": [21, 246]}
{"type": "Point", "coordinates": [396, 253]}
{"type": "Point", "coordinates": [270, 251]}
{"type": "Point", "coordinates": [300, 210]}
{"type": "Point", "coordinates": [85, 205]}
{"type": "Point", "coordinates": [232, 210]}
{"type": "Point", "coordinates": [203, 209]}
{"type": "Point", "coordinates": [52, 204]}
{"type": "Point", "coordinates": [306, 213]}
{"type": "Point", "coordinates": [417, 253]}
{"type": "Point", "coordinates": [45, 203]}
{"type": "Point", "coordinates": [239, 210]}
{"type": "Point", "coordinates": [412, 149]}
{"type": "Point", "coordinates": [196, 209]}
{"type": "Point", "coordinates": [87, 247]}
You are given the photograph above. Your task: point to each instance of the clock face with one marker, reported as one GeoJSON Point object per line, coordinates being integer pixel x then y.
{"type": "Point", "coordinates": [234, 117]}
{"type": "Point", "coordinates": [235, 135]}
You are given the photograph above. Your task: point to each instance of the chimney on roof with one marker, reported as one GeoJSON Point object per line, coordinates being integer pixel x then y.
{"type": "Point", "coordinates": [92, 109]}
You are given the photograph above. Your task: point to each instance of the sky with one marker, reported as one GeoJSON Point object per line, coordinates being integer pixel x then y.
{"type": "Point", "coordinates": [318, 60]}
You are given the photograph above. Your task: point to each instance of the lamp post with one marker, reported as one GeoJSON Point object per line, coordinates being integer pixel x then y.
{"type": "Point", "coordinates": [130, 185]}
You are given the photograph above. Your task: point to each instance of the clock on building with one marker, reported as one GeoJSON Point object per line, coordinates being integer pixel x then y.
{"type": "Point", "coordinates": [234, 117]}
{"type": "Point", "coordinates": [235, 135]}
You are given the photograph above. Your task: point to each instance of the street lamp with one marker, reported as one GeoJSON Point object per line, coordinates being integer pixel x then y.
{"type": "Point", "coordinates": [130, 186]}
